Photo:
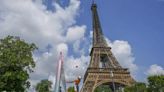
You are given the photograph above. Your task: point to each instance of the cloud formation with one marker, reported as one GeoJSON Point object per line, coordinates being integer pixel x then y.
{"type": "Point", "coordinates": [123, 52]}
{"type": "Point", "coordinates": [72, 33]}
{"type": "Point", "coordinates": [155, 70]}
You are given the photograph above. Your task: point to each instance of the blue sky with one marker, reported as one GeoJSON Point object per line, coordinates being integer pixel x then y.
{"type": "Point", "coordinates": [140, 22]}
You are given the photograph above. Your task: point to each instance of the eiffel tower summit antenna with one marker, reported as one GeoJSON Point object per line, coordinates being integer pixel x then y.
{"type": "Point", "coordinates": [98, 38]}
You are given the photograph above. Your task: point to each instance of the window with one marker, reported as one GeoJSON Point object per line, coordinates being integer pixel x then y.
{"type": "Point", "coordinates": [103, 61]}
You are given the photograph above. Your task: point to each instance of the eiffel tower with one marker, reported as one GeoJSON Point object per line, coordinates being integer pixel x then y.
{"type": "Point", "coordinates": [104, 69]}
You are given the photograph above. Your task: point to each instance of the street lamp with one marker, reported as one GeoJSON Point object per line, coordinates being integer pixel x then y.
{"type": "Point", "coordinates": [112, 81]}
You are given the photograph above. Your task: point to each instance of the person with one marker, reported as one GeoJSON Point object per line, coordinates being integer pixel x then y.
{"type": "Point", "coordinates": [76, 83]}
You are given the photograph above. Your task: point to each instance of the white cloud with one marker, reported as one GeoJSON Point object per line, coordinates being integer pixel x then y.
{"type": "Point", "coordinates": [81, 46]}
{"type": "Point", "coordinates": [155, 70]}
{"type": "Point", "coordinates": [76, 46]}
{"type": "Point", "coordinates": [34, 23]}
{"type": "Point", "coordinates": [62, 48]}
{"type": "Point", "coordinates": [76, 66]}
{"type": "Point", "coordinates": [75, 33]}
{"type": "Point", "coordinates": [123, 52]}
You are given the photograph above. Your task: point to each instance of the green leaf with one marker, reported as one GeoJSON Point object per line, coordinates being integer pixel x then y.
{"type": "Point", "coordinates": [16, 62]}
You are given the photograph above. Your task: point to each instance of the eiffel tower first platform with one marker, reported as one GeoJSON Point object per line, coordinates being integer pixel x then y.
{"type": "Point", "coordinates": [104, 69]}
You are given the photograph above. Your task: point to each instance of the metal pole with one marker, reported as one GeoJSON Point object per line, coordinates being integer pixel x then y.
{"type": "Point", "coordinates": [114, 89]}
{"type": "Point", "coordinates": [58, 74]}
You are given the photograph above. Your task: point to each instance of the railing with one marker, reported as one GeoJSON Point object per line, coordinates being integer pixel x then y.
{"type": "Point", "coordinates": [107, 70]}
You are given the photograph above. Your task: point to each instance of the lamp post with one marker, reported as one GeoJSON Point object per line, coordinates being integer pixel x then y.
{"type": "Point", "coordinates": [113, 81]}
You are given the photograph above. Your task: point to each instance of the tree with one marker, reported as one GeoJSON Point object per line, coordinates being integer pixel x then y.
{"type": "Point", "coordinates": [156, 83]}
{"type": "Point", "coordinates": [16, 62]}
{"type": "Point", "coordinates": [44, 86]}
{"type": "Point", "coordinates": [137, 87]}
{"type": "Point", "coordinates": [71, 89]}
{"type": "Point", "coordinates": [103, 88]}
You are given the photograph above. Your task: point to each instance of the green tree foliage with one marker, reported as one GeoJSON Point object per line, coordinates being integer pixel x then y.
{"type": "Point", "coordinates": [137, 87]}
{"type": "Point", "coordinates": [103, 88]}
{"type": "Point", "coordinates": [44, 86]}
{"type": "Point", "coordinates": [71, 89]}
{"type": "Point", "coordinates": [16, 63]}
{"type": "Point", "coordinates": [156, 83]}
